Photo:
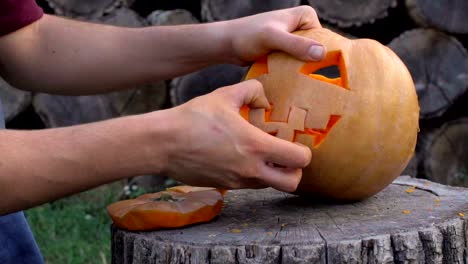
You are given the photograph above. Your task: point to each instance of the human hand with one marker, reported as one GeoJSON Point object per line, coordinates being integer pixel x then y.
{"type": "Point", "coordinates": [254, 36]}
{"type": "Point", "coordinates": [214, 146]}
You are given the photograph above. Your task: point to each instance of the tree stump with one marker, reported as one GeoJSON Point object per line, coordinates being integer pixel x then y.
{"type": "Point", "coordinates": [352, 13]}
{"type": "Point", "coordinates": [204, 81]}
{"type": "Point", "coordinates": [448, 15]}
{"type": "Point", "coordinates": [439, 66]}
{"type": "Point", "coordinates": [84, 8]}
{"type": "Point", "coordinates": [216, 10]}
{"type": "Point", "coordinates": [411, 221]}
{"type": "Point", "coordinates": [445, 154]}
{"type": "Point", "coordinates": [14, 101]}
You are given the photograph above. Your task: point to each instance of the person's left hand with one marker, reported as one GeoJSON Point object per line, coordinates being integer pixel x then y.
{"type": "Point", "coordinates": [254, 36]}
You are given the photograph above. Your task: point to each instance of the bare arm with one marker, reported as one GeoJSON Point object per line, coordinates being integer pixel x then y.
{"type": "Point", "coordinates": [206, 141]}
{"type": "Point", "coordinates": [63, 56]}
{"type": "Point", "coordinates": [58, 55]}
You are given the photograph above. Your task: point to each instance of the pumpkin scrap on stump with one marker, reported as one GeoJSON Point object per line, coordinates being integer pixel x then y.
{"type": "Point", "coordinates": [357, 110]}
{"type": "Point", "coordinates": [167, 209]}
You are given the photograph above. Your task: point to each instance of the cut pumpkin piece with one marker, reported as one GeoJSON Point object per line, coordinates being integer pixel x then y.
{"type": "Point", "coordinates": [188, 189]}
{"type": "Point", "coordinates": [167, 209]}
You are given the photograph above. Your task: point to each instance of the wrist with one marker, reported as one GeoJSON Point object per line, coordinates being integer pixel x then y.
{"type": "Point", "coordinates": [160, 136]}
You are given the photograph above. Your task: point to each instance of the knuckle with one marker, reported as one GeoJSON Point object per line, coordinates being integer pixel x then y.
{"type": "Point", "coordinates": [308, 10]}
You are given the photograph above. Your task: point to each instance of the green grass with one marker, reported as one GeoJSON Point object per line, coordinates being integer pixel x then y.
{"type": "Point", "coordinates": [75, 229]}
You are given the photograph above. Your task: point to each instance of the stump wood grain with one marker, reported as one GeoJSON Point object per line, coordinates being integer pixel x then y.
{"type": "Point", "coordinates": [411, 221]}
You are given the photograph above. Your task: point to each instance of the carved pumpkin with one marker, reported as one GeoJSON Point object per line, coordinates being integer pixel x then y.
{"type": "Point", "coordinates": [361, 126]}
{"type": "Point", "coordinates": [167, 209]}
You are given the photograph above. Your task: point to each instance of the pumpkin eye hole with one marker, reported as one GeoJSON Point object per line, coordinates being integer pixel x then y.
{"type": "Point", "coordinates": [331, 72]}
{"type": "Point", "coordinates": [331, 69]}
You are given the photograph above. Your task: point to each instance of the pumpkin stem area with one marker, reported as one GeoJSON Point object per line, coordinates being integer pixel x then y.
{"type": "Point", "coordinates": [165, 197]}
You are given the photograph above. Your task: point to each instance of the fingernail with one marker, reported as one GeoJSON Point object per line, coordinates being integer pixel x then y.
{"type": "Point", "coordinates": [316, 52]}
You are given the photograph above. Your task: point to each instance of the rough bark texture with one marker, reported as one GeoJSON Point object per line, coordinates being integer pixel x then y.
{"type": "Point", "coordinates": [14, 101]}
{"type": "Point", "coordinates": [84, 8]}
{"type": "Point", "coordinates": [204, 81]}
{"type": "Point", "coordinates": [352, 13]}
{"type": "Point", "coordinates": [448, 15]}
{"type": "Point", "coordinates": [216, 10]}
{"type": "Point", "coordinates": [267, 226]}
{"type": "Point", "coordinates": [446, 154]}
{"type": "Point", "coordinates": [439, 66]}
{"type": "Point", "coordinates": [171, 17]}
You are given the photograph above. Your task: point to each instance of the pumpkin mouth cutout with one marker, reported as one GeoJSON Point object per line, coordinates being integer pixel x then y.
{"type": "Point", "coordinates": [331, 69]}
{"type": "Point", "coordinates": [292, 128]}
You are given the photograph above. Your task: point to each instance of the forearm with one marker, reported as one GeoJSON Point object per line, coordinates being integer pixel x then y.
{"type": "Point", "coordinates": [41, 166]}
{"type": "Point", "coordinates": [63, 56]}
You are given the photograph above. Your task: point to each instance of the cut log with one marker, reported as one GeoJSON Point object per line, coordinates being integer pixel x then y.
{"type": "Point", "coordinates": [146, 98]}
{"type": "Point", "coordinates": [425, 225]}
{"type": "Point", "coordinates": [412, 167]}
{"type": "Point", "coordinates": [60, 111]}
{"type": "Point", "coordinates": [352, 13]}
{"type": "Point", "coordinates": [204, 81]}
{"type": "Point", "coordinates": [14, 101]}
{"type": "Point", "coordinates": [171, 17]}
{"type": "Point", "coordinates": [216, 10]}
{"type": "Point", "coordinates": [448, 15]}
{"type": "Point", "coordinates": [83, 8]}
{"type": "Point", "coordinates": [445, 153]}
{"type": "Point", "coordinates": [439, 66]}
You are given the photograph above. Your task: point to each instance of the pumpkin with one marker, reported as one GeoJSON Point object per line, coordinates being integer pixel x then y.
{"type": "Point", "coordinates": [167, 209]}
{"type": "Point", "coordinates": [361, 125]}
{"type": "Point", "coordinates": [187, 189]}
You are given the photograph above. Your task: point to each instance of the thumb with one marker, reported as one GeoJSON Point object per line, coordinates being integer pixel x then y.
{"type": "Point", "coordinates": [249, 93]}
{"type": "Point", "coordinates": [298, 46]}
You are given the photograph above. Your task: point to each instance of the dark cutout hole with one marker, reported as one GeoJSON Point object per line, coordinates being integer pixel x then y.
{"type": "Point", "coordinates": [330, 72]}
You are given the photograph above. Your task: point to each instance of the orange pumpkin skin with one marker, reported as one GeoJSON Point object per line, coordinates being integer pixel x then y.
{"type": "Point", "coordinates": [361, 127]}
{"type": "Point", "coordinates": [188, 188]}
{"type": "Point", "coordinates": [145, 213]}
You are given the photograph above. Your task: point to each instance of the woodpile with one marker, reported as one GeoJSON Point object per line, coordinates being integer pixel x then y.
{"type": "Point", "coordinates": [430, 37]}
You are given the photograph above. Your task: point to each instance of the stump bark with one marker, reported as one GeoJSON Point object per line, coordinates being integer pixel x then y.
{"type": "Point", "coordinates": [445, 154]}
{"type": "Point", "coordinates": [352, 13]}
{"type": "Point", "coordinates": [204, 81]}
{"type": "Point", "coordinates": [84, 8]}
{"type": "Point", "coordinates": [425, 225]}
{"type": "Point", "coordinates": [14, 101]}
{"type": "Point", "coordinates": [448, 15]}
{"type": "Point", "coordinates": [216, 10]}
{"type": "Point", "coordinates": [439, 66]}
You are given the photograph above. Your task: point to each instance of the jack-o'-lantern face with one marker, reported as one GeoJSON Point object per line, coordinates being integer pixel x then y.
{"type": "Point", "coordinates": [361, 125]}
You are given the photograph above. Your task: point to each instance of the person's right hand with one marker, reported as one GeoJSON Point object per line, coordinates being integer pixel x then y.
{"type": "Point", "coordinates": [214, 146]}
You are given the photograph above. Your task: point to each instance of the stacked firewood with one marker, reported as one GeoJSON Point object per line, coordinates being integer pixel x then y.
{"type": "Point", "coordinates": [431, 38]}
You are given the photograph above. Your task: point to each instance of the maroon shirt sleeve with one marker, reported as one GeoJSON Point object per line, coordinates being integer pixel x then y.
{"type": "Point", "coordinates": [15, 14]}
